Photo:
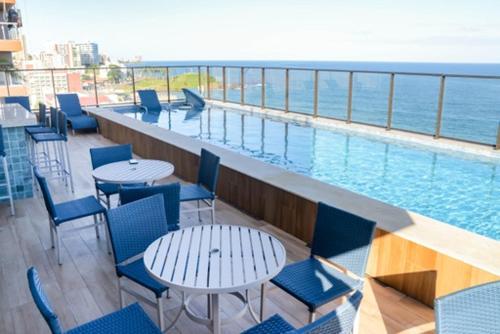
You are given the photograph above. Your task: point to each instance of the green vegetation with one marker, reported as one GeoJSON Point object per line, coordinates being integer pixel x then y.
{"type": "Point", "coordinates": [185, 80]}
{"type": "Point", "coordinates": [115, 74]}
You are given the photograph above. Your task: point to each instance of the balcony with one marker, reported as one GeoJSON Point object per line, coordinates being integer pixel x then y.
{"type": "Point", "coordinates": [10, 40]}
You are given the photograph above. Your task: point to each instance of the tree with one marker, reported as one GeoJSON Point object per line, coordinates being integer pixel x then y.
{"type": "Point", "coordinates": [115, 74]}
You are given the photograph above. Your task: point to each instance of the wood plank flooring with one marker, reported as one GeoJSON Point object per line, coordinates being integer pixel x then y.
{"type": "Point", "coordinates": [84, 287]}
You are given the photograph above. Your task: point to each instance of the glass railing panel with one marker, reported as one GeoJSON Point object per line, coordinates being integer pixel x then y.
{"type": "Point", "coordinates": [333, 93]}
{"type": "Point", "coordinates": [152, 78]}
{"type": "Point", "coordinates": [182, 77]}
{"type": "Point", "coordinates": [79, 81]}
{"type": "Point", "coordinates": [471, 109]}
{"type": "Point", "coordinates": [233, 84]}
{"type": "Point", "coordinates": [275, 88]}
{"type": "Point", "coordinates": [301, 91]}
{"type": "Point", "coordinates": [114, 85]}
{"type": "Point", "coordinates": [216, 92]}
{"type": "Point", "coordinates": [415, 103]}
{"type": "Point", "coordinates": [35, 84]}
{"type": "Point", "coordinates": [274, 141]}
{"type": "Point", "coordinates": [253, 86]}
{"type": "Point", "coordinates": [370, 95]}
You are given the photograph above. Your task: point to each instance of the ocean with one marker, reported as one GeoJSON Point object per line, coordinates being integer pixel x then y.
{"type": "Point", "coordinates": [471, 106]}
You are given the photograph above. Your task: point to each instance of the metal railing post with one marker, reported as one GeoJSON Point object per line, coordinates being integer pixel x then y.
{"type": "Point", "coordinates": [7, 83]}
{"type": "Point", "coordinates": [263, 88]}
{"type": "Point", "coordinates": [133, 85]}
{"type": "Point", "coordinates": [390, 103]}
{"type": "Point", "coordinates": [168, 84]}
{"type": "Point", "coordinates": [442, 87]}
{"type": "Point", "coordinates": [208, 82]}
{"type": "Point", "coordinates": [224, 93]}
{"type": "Point", "coordinates": [53, 87]}
{"type": "Point", "coordinates": [242, 87]}
{"type": "Point", "coordinates": [199, 80]}
{"type": "Point", "coordinates": [95, 88]}
{"type": "Point", "coordinates": [349, 99]}
{"type": "Point", "coordinates": [287, 90]}
{"type": "Point", "coordinates": [497, 146]}
{"type": "Point", "coordinates": [315, 105]}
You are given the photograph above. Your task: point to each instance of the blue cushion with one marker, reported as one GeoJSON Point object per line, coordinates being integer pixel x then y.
{"type": "Point", "coordinates": [38, 129]}
{"type": "Point", "coordinates": [136, 272]}
{"type": "Point", "coordinates": [274, 325]}
{"type": "Point", "coordinates": [82, 122]}
{"type": "Point", "coordinates": [192, 192]}
{"type": "Point", "coordinates": [78, 208]}
{"type": "Point", "coordinates": [129, 320]}
{"type": "Point", "coordinates": [70, 104]}
{"type": "Point", "coordinates": [49, 136]}
{"type": "Point", "coordinates": [314, 283]}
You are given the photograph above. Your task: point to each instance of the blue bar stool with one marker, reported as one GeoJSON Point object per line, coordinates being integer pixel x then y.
{"type": "Point", "coordinates": [5, 165]}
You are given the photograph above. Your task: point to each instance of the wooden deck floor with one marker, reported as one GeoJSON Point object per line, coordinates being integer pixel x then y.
{"type": "Point", "coordinates": [85, 286]}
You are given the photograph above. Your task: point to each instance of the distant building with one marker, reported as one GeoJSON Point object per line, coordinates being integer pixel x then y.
{"type": "Point", "coordinates": [89, 54]}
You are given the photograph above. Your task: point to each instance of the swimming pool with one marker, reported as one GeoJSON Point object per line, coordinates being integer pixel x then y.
{"type": "Point", "coordinates": [459, 190]}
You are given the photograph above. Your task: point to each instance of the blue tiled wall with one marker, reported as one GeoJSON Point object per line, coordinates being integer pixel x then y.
{"type": "Point", "coordinates": [19, 166]}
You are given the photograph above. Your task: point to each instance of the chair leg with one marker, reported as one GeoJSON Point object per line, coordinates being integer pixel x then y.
{"type": "Point", "coordinates": [312, 317]}
{"type": "Point", "coordinates": [69, 167]}
{"type": "Point", "coordinates": [108, 202]}
{"type": "Point", "coordinates": [212, 205]}
{"type": "Point", "coordinates": [9, 188]}
{"type": "Point", "coordinates": [120, 292]}
{"type": "Point", "coordinates": [161, 320]}
{"type": "Point", "coordinates": [262, 300]}
{"type": "Point", "coordinates": [199, 214]}
{"type": "Point", "coordinates": [209, 307]}
{"type": "Point", "coordinates": [96, 227]}
{"type": "Point", "coordinates": [51, 233]}
{"type": "Point", "coordinates": [355, 327]}
{"type": "Point", "coordinates": [58, 245]}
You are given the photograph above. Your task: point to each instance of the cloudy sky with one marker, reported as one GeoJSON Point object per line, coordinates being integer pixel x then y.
{"type": "Point", "coordinates": [357, 30]}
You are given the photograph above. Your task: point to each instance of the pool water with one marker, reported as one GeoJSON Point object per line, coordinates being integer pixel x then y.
{"type": "Point", "coordinates": [459, 190]}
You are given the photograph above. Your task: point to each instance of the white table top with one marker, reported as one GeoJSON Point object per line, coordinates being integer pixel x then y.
{"type": "Point", "coordinates": [14, 115]}
{"type": "Point", "coordinates": [122, 172]}
{"type": "Point", "coordinates": [215, 258]}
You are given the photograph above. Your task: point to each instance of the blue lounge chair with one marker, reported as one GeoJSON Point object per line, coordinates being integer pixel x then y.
{"type": "Point", "coordinates": [24, 101]}
{"type": "Point", "coordinates": [204, 189]}
{"type": "Point", "coordinates": [64, 212]}
{"type": "Point", "coordinates": [77, 118]}
{"type": "Point", "coordinates": [339, 321]}
{"type": "Point", "coordinates": [473, 310]}
{"type": "Point", "coordinates": [171, 197]}
{"type": "Point", "coordinates": [149, 100]}
{"type": "Point", "coordinates": [106, 155]}
{"type": "Point", "coordinates": [193, 99]}
{"type": "Point", "coordinates": [130, 320]}
{"type": "Point", "coordinates": [132, 228]}
{"type": "Point", "coordinates": [340, 238]}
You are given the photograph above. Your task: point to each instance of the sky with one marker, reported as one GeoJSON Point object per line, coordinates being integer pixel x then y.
{"type": "Point", "coordinates": [356, 30]}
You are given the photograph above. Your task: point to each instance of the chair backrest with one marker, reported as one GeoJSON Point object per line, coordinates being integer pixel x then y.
{"type": "Point", "coordinates": [42, 302]}
{"type": "Point", "coordinates": [149, 99]}
{"type": "Point", "coordinates": [339, 321]}
{"type": "Point", "coordinates": [193, 99]}
{"type": "Point", "coordinates": [105, 155]}
{"type": "Point", "coordinates": [208, 172]}
{"type": "Point", "coordinates": [53, 119]}
{"type": "Point", "coordinates": [22, 100]}
{"type": "Point", "coordinates": [2, 145]}
{"type": "Point", "coordinates": [47, 197]}
{"type": "Point", "coordinates": [62, 124]}
{"type": "Point", "coordinates": [473, 310]}
{"type": "Point", "coordinates": [134, 226]}
{"type": "Point", "coordinates": [70, 104]}
{"type": "Point", "coordinates": [171, 197]}
{"type": "Point", "coordinates": [342, 238]}
{"type": "Point", "coordinates": [42, 114]}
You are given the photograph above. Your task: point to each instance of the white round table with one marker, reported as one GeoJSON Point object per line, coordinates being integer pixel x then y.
{"type": "Point", "coordinates": [122, 172]}
{"type": "Point", "coordinates": [212, 260]}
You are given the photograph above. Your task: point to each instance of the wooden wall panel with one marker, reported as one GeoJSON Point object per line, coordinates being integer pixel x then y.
{"type": "Point", "coordinates": [413, 269]}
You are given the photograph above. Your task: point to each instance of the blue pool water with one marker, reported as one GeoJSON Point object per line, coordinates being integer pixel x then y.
{"type": "Point", "coordinates": [458, 190]}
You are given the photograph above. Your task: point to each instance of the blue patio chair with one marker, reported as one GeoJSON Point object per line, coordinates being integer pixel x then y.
{"type": "Point", "coordinates": [473, 310]}
{"type": "Point", "coordinates": [64, 212]}
{"type": "Point", "coordinates": [60, 165]}
{"type": "Point", "coordinates": [149, 100]}
{"type": "Point", "coordinates": [130, 320]}
{"type": "Point", "coordinates": [204, 189]}
{"type": "Point", "coordinates": [6, 174]}
{"type": "Point", "coordinates": [132, 228]}
{"type": "Point", "coordinates": [193, 99]}
{"type": "Point", "coordinates": [77, 118]}
{"type": "Point", "coordinates": [42, 126]}
{"type": "Point", "coordinates": [340, 238]}
{"type": "Point", "coordinates": [171, 197]}
{"type": "Point", "coordinates": [339, 321]}
{"type": "Point", "coordinates": [24, 101]}
{"type": "Point", "coordinates": [106, 155]}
